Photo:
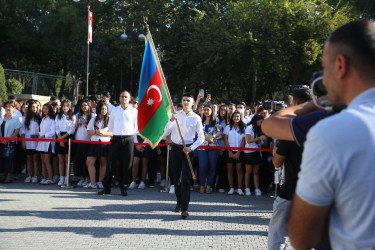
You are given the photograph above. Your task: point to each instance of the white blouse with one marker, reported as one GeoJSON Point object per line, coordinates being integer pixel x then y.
{"type": "Point", "coordinates": [99, 125]}
{"type": "Point", "coordinates": [250, 131]}
{"type": "Point", "coordinates": [65, 124]}
{"type": "Point", "coordinates": [33, 130]}
{"type": "Point", "coordinates": [234, 136]}
{"type": "Point", "coordinates": [81, 133]}
{"type": "Point", "coordinates": [47, 129]}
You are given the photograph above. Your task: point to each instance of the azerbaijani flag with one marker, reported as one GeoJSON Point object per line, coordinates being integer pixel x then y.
{"type": "Point", "coordinates": [153, 108]}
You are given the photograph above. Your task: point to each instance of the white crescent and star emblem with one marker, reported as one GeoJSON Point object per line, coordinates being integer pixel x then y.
{"type": "Point", "coordinates": [151, 101]}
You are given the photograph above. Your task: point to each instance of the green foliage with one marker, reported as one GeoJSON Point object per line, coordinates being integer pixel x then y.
{"type": "Point", "coordinates": [3, 89]}
{"type": "Point", "coordinates": [235, 50]}
{"type": "Point", "coordinates": [14, 86]}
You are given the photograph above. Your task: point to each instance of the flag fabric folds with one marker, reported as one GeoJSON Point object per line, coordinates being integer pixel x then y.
{"type": "Point", "coordinates": [153, 103]}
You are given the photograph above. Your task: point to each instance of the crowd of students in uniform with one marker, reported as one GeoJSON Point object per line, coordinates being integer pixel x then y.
{"type": "Point", "coordinates": [225, 125]}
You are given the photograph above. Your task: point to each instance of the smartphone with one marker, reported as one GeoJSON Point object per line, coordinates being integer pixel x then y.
{"type": "Point", "coordinates": [209, 95]}
{"type": "Point", "coordinates": [201, 92]}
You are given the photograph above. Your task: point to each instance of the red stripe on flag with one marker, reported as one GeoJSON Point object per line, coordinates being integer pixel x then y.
{"type": "Point", "coordinates": [151, 101]}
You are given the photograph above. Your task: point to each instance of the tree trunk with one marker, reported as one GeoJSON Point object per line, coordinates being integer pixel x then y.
{"type": "Point", "coordinates": [253, 87]}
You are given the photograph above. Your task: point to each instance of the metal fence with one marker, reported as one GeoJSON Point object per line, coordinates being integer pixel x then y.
{"type": "Point", "coordinates": [44, 84]}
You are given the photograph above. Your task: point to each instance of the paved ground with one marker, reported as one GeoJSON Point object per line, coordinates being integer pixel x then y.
{"type": "Point", "coordinates": [33, 216]}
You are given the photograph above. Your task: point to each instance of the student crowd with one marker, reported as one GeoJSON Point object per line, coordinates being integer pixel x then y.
{"type": "Point", "coordinates": [226, 125]}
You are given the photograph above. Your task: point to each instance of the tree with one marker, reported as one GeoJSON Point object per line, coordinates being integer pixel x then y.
{"type": "Point", "coordinates": [14, 86]}
{"type": "Point", "coordinates": [3, 89]}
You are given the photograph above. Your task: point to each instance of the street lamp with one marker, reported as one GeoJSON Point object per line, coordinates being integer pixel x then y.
{"type": "Point", "coordinates": [141, 38]}
{"type": "Point", "coordinates": [88, 44]}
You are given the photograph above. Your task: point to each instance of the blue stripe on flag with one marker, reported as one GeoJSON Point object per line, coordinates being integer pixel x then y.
{"type": "Point", "coordinates": [148, 71]}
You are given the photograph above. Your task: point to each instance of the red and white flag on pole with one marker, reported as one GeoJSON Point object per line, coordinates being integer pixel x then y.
{"type": "Point", "coordinates": [90, 27]}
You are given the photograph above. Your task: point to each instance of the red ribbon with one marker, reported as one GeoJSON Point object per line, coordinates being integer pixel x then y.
{"type": "Point", "coordinates": [136, 144]}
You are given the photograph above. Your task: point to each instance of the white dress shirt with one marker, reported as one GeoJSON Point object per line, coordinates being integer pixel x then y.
{"type": "Point", "coordinates": [47, 128]}
{"type": "Point", "coordinates": [65, 124]}
{"type": "Point", "coordinates": [33, 130]}
{"type": "Point", "coordinates": [99, 125]}
{"type": "Point", "coordinates": [234, 136]}
{"type": "Point", "coordinates": [123, 121]}
{"type": "Point", "coordinates": [110, 108]}
{"type": "Point", "coordinates": [190, 125]}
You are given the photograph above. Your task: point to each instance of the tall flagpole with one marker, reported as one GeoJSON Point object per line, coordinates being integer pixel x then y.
{"type": "Point", "coordinates": [169, 98]}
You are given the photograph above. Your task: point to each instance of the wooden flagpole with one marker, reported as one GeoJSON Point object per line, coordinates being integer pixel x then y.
{"type": "Point", "coordinates": [149, 36]}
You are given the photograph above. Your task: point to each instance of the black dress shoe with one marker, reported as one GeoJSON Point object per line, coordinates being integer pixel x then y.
{"type": "Point", "coordinates": [177, 208]}
{"type": "Point", "coordinates": [123, 192]}
{"type": "Point", "coordinates": [104, 192]}
{"type": "Point", "coordinates": [7, 182]}
{"type": "Point", "coordinates": [184, 214]}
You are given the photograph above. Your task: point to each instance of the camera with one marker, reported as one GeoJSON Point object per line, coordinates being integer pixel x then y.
{"type": "Point", "coordinates": [274, 105]}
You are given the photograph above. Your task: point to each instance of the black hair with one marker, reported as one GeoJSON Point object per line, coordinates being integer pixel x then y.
{"type": "Point", "coordinates": [301, 95]}
{"type": "Point", "coordinates": [93, 98]}
{"type": "Point", "coordinates": [51, 114]}
{"type": "Point", "coordinates": [241, 125]}
{"type": "Point", "coordinates": [11, 97]}
{"type": "Point", "coordinates": [80, 110]}
{"type": "Point", "coordinates": [241, 103]}
{"type": "Point", "coordinates": [226, 114]}
{"type": "Point", "coordinates": [106, 94]}
{"type": "Point", "coordinates": [212, 118]}
{"type": "Point", "coordinates": [187, 94]}
{"type": "Point", "coordinates": [356, 41]}
{"type": "Point", "coordinates": [54, 98]}
{"type": "Point", "coordinates": [99, 115]}
{"type": "Point", "coordinates": [257, 129]}
{"type": "Point", "coordinates": [30, 115]}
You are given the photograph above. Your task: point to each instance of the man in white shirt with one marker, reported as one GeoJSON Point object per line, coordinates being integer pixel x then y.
{"type": "Point", "coordinates": [123, 125]}
{"type": "Point", "coordinates": [190, 124]}
{"type": "Point", "coordinates": [336, 187]}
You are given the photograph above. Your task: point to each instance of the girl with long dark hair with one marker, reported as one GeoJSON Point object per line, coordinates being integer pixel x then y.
{"type": "Point", "coordinates": [234, 136]}
{"type": "Point", "coordinates": [208, 157]}
{"type": "Point", "coordinates": [30, 129]}
{"type": "Point", "coordinates": [65, 128]}
{"type": "Point", "coordinates": [253, 158]}
{"type": "Point", "coordinates": [46, 148]}
{"type": "Point", "coordinates": [98, 129]}
{"type": "Point", "coordinates": [83, 117]}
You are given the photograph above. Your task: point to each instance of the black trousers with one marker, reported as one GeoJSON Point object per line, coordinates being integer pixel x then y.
{"type": "Point", "coordinates": [122, 149]}
{"type": "Point", "coordinates": [181, 176]}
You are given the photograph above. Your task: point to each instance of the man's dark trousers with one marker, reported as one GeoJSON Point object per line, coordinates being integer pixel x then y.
{"type": "Point", "coordinates": [122, 149]}
{"type": "Point", "coordinates": [181, 176]}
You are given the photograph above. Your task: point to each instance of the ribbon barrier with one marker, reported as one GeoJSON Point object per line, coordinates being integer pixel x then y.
{"type": "Point", "coordinates": [136, 144]}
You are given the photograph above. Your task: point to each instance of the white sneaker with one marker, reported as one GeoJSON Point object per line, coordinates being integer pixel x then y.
{"type": "Point", "coordinates": [42, 181]}
{"type": "Point", "coordinates": [231, 191]}
{"type": "Point", "coordinates": [80, 183]}
{"type": "Point", "coordinates": [142, 185]}
{"type": "Point", "coordinates": [247, 192]}
{"type": "Point", "coordinates": [221, 190]}
{"type": "Point", "coordinates": [171, 189]}
{"type": "Point", "coordinates": [56, 179]}
{"type": "Point", "coordinates": [34, 179]}
{"type": "Point", "coordinates": [28, 179]}
{"type": "Point", "coordinates": [100, 184]}
{"type": "Point", "coordinates": [162, 183]}
{"type": "Point", "coordinates": [258, 192]}
{"type": "Point", "coordinates": [89, 186]}
{"type": "Point", "coordinates": [133, 185]}
{"type": "Point", "coordinates": [47, 182]}
{"type": "Point", "coordinates": [240, 192]}
{"type": "Point", "coordinates": [65, 180]}
{"type": "Point", "coordinates": [61, 181]}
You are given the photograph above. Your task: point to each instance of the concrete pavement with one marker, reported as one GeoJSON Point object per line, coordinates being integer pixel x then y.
{"type": "Point", "coordinates": [34, 216]}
